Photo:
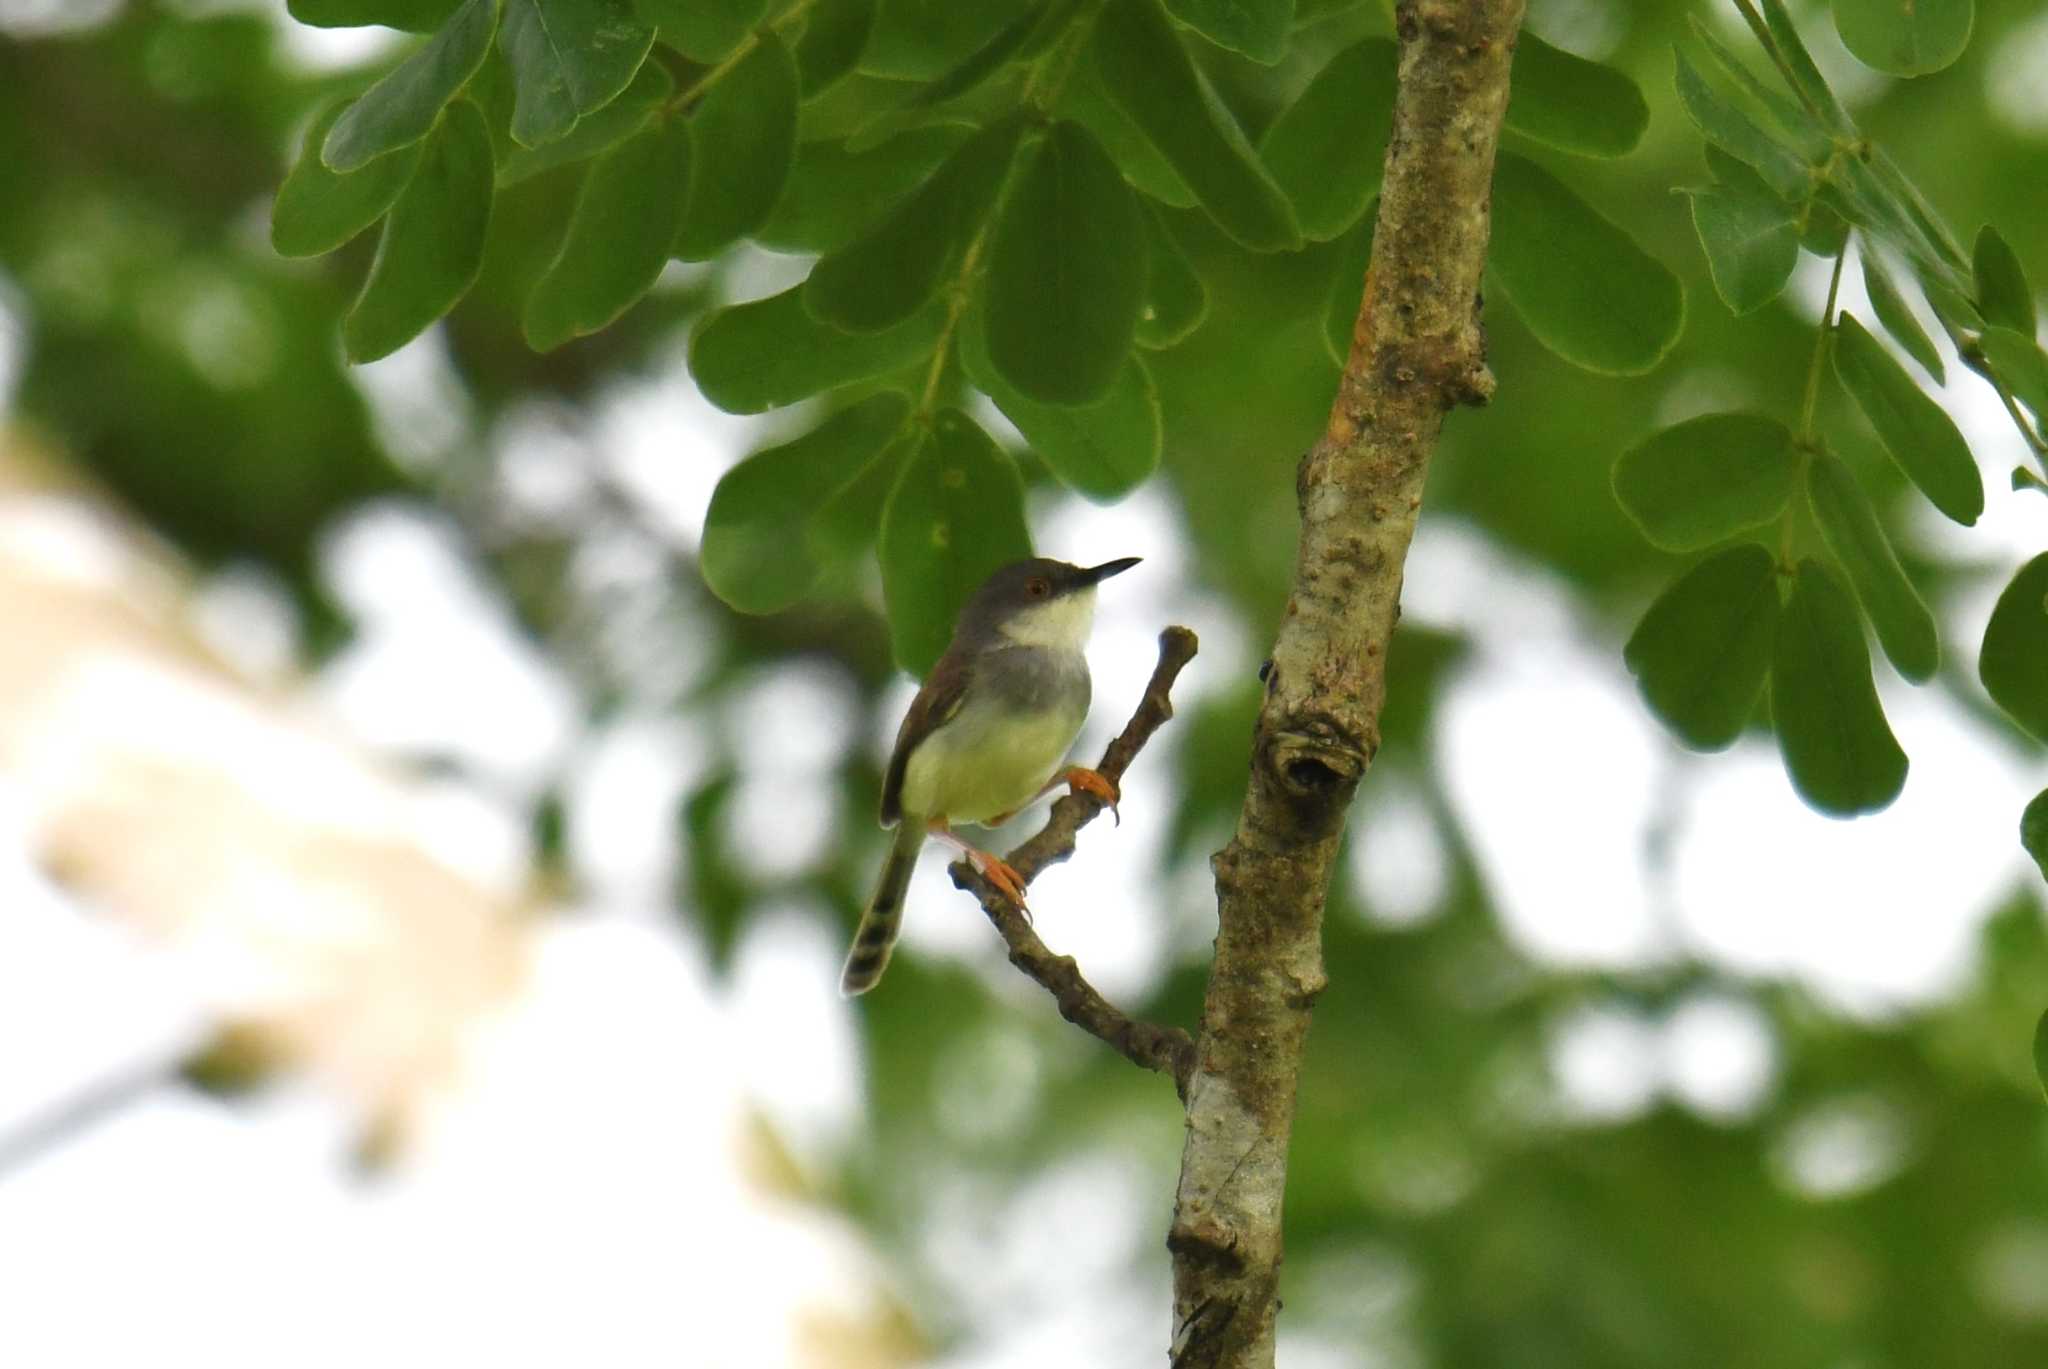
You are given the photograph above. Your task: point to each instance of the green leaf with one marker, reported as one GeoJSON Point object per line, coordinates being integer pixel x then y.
{"type": "Point", "coordinates": [2019, 362]}
{"type": "Point", "coordinates": [1920, 436]}
{"type": "Point", "coordinates": [568, 58]}
{"type": "Point", "coordinates": [618, 238]}
{"type": "Point", "coordinates": [1327, 150]}
{"type": "Point", "coordinates": [1825, 231]}
{"type": "Point", "coordinates": [317, 210]}
{"type": "Point", "coordinates": [835, 195]}
{"type": "Point", "coordinates": [1572, 104]}
{"type": "Point", "coordinates": [2041, 1033]}
{"type": "Point", "coordinates": [1066, 273]}
{"type": "Point", "coordinates": [1083, 100]}
{"type": "Point", "coordinates": [1150, 77]}
{"type": "Point", "coordinates": [835, 35]}
{"type": "Point", "coordinates": [890, 274]}
{"type": "Point", "coordinates": [1255, 28]}
{"type": "Point", "coordinates": [1701, 652]}
{"type": "Point", "coordinates": [2034, 837]}
{"type": "Point", "coordinates": [1175, 301]}
{"type": "Point", "coordinates": [1832, 733]}
{"type": "Point", "coordinates": [597, 132]}
{"type": "Point", "coordinates": [1707, 478]}
{"type": "Point", "coordinates": [1582, 285]}
{"type": "Point", "coordinates": [1849, 525]}
{"type": "Point", "coordinates": [2002, 292]}
{"type": "Point", "coordinates": [744, 133]}
{"type": "Point", "coordinates": [1102, 450]}
{"type": "Point", "coordinates": [1897, 317]}
{"type": "Point", "coordinates": [758, 552]}
{"type": "Point", "coordinates": [954, 518]}
{"type": "Point", "coordinates": [414, 16]}
{"type": "Point", "coordinates": [1905, 37]}
{"type": "Point", "coordinates": [2013, 663]}
{"type": "Point", "coordinates": [1804, 75]}
{"type": "Point", "coordinates": [400, 109]}
{"type": "Point", "coordinates": [702, 30]}
{"type": "Point", "coordinates": [1785, 112]}
{"type": "Point", "coordinates": [1726, 126]}
{"type": "Point", "coordinates": [1751, 244]}
{"type": "Point", "coordinates": [1347, 287]}
{"type": "Point", "coordinates": [433, 241]}
{"type": "Point", "coordinates": [986, 60]}
{"type": "Point", "coordinates": [758, 356]}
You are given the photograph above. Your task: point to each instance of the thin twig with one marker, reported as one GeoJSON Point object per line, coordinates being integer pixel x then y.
{"type": "Point", "coordinates": [1149, 1045]}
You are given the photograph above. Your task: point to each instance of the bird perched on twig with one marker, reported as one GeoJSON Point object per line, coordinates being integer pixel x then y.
{"type": "Point", "coordinates": [986, 734]}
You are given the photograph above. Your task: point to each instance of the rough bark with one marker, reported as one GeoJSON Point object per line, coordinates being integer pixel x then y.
{"type": "Point", "coordinates": [1417, 350]}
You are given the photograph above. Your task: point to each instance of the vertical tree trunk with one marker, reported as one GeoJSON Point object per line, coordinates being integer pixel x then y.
{"type": "Point", "coordinates": [1417, 350]}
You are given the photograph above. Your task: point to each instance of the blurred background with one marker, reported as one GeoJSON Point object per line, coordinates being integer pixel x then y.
{"type": "Point", "coordinates": [421, 902]}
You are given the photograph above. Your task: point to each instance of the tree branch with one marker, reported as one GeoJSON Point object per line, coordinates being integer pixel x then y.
{"type": "Point", "coordinates": [1149, 1045]}
{"type": "Point", "coordinates": [1417, 350]}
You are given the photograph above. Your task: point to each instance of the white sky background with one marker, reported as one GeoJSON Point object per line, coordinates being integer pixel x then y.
{"type": "Point", "coordinates": [538, 1224]}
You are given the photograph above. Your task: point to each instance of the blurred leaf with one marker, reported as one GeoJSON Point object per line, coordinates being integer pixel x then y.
{"type": "Point", "coordinates": [1175, 298]}
{"type": "Point", "coordinates": [1066, 273]}
{"type": "Point", "coordinates": [400, 109]}
{"type": "Point", "coordinates": [893, 271]}
{"type": "Point", "coordinates": [414, 16]}
{"type": "Point", "coordinates": [1838, 748]}
{"type": "Point", "coordinates": [835, 195]}
{"type": "Point", "coordinates": [1255, 28]}
{"type": "Point", "coordinates": [1825, 231]}
{"type": "Point", "coordinates": [1785, 112]}
{"type": "Point", "coordinates": [618, 237]}
{"type": "Point", "coordinates": [1327, 150]}
{"type": "Point", "coordinates": [702, 30]}
{"type": "Point", "coordinates": [1750, 240]}
{"type": "Point", "coordinates": [1573, 104]}
{"type": "Point", "coordinates": [744, 137]}
{"type": "Point", "coordinates": [1707, 478]}
{"type": "Point", "coordinates": [1102, 450]}
{"type": "Point", "coordinates": [1347, 287]}
{"type": "Point", "coordinates": [955, 516]}
{"type": "Point", "coordinates": [2002, 291]}
{"type": "Point", "coordinates": [986, 60]}
{"type": "Point", "coordinates": [1897, 317]}
{"type": "Point", "coordinates": [1724, 124]}
{"type": "Point", "coordinates": [1850, 526]}
{"type": "Point", "coordinates": [2041, 1029]}
{"type": "Point", "coordinates": [1150, 77]}
{"type": "Point", "coordinates": [1581, 284]}
{"type": "Point", "coordinates": [835, 35]}
{"type": "Point", "coordinates": [757, 356]}
{"type": "Point", "coordinates": [433, 241]}
{"type": "Point", "coordinates": [757, 550]}
{"type": "Point", "coordinates": [916, 40]}
{"type": "Point", "coordinates": [1083, 100]}
{"type": "Point", "coordinates": [317, 210]}
{"type": "Point", "coordinates": [597, 132]}
{"type": "Point", "coordinates": [2013, 663]}
{"type": "Point", "coordinates": [1905, 37]}
{"type": "Point", "coordinates": [1916, 431]}
{"type": "Point", "coordinates": [2019, 362]}
{"type": "Point", "coordinates": [2034, 837]}
{"type": "Point", "coordinates": [1701, 652]}
{"type": "Point", "coordinates": [1804, 74]}
{"type": "Point", "coordinates": [568, 58]}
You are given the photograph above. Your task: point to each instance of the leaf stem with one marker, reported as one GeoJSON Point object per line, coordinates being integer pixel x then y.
{"type": "Point", "coordinates": [725, 64]}
{"type": "Point", "coordinates": [1820, 350]}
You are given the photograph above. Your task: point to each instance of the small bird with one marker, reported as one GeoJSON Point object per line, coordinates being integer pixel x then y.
{"type": "Point", "coordinates": [986, 734]}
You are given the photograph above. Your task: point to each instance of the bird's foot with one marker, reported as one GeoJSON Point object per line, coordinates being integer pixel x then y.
{"type": "Point", "coordinates": [992, 868]}
{"type": "Point", "coordinates": [1082, 780]}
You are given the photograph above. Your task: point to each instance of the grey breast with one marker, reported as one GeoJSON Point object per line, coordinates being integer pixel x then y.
{"type": "Point", "coordinates": [1038, 679]}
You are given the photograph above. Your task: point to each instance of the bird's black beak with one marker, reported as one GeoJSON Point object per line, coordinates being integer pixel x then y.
{"type": "Point", "coordinates": [1094, 574]}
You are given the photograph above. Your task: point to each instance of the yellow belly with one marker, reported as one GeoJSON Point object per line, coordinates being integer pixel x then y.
{"type": "Point", "coordinates": [976, 768]}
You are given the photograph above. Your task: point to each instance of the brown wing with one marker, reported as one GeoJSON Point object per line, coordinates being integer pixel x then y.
{"type": "Point", "coordinates": [932, 709]}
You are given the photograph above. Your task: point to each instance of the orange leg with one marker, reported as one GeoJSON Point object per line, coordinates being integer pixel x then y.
{"type": "Point", "coordinates": [994, 869]}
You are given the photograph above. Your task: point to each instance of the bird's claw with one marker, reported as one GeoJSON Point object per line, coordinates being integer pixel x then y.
{"type": "Point", "coordinates": [1082, 780]}
{"type": "Point", "coordinates": [1004, 876]}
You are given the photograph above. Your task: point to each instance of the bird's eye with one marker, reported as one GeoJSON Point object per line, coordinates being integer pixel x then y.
{"type": "Point", "coordinates": [1038, 586]}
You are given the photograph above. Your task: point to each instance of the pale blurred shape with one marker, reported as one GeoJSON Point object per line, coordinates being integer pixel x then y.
{"type": "Point", "coordinates": [799, 1051]}
{"type": "Point", "coordinates": [796, 718]}
{"type": "Point", "coordinates": [2011, 1271]}
{"type": "Point", "coordinates": [665, 446]}
{"type": "Point", "coordinates": [1840, 1148]}
{"type": "Point", "coordinates": [419, 408]}
{"type": "Point", "coordinates": [2013, 84]}
{"type": "Point", "coordinates": [988, 1083]}
{"type": "Point", "coordinates": [309, 49]}
{"type": "Point", "coordinates": [1397, 858]}
{"type": "Point", "coordinates": [541, 473]}
{"type": "Point", "coordinates": [1720, 1056]}
{"type": "Point", "coordinates": [481, 836]}
{"type": "Point", "coordinates": [778, 826]}
{"type": "Point", "coordinates": [1604, 1061]}
{"type": "Point", "coordinates": [30, 19]}
{"type": "Point", "coordinates": [1415, 1167]}
{"type": "Point", "coordinates": [246, 616]}
{"type": "Point", "coordinates": [622, 799]}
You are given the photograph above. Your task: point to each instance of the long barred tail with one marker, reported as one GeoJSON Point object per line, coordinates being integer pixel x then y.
{"type": "Point", "coordinates": [884, 915]}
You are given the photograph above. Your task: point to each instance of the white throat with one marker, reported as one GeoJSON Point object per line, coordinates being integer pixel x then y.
{"type": "Point", "coordinates": [1062, 623]}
